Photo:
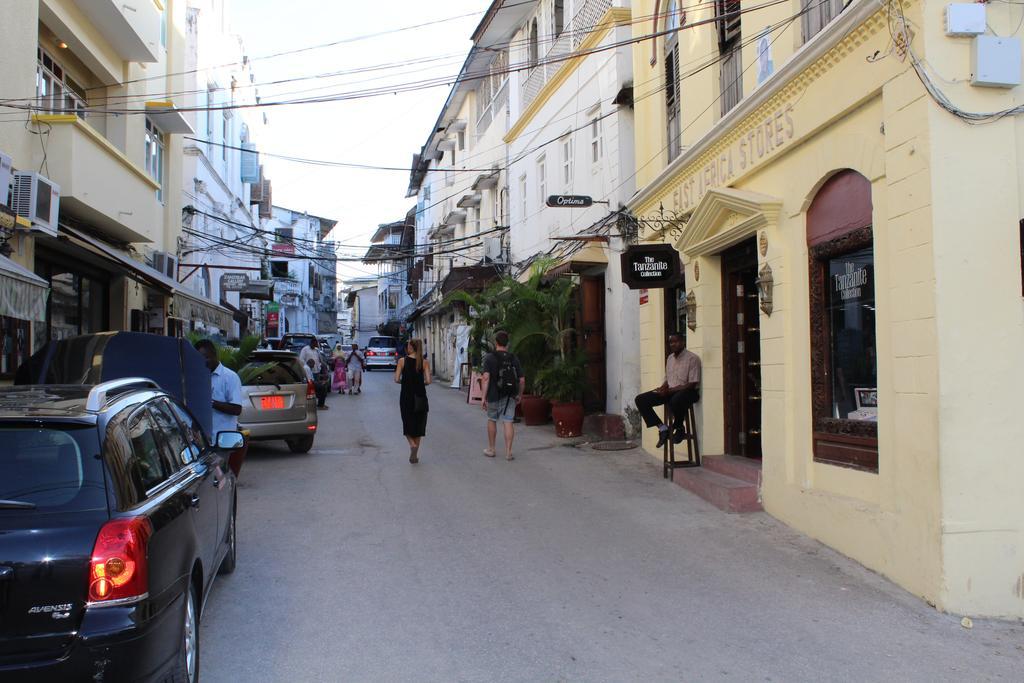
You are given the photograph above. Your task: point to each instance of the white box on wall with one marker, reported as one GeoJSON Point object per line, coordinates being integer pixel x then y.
{"type": "Point", "coordinates": [965, 19]}
{"type": "Point", "coordinates": [995, 62]}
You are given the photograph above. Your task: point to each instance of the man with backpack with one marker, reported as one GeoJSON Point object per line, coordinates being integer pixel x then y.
{"type": "Point", "coordinates": [503, 385]}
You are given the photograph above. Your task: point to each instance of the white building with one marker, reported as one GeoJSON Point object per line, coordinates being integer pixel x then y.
{"type": "Point", "coordinates": [363, 302]}
{"type": "Point", "coordinates": [223, 245]}
{"type": "Point", "coordinates": [300, 262]}
{"type": "Point", "coordinates": [572, 134]}
{"type": "Point", "coordinates": [391, 251]}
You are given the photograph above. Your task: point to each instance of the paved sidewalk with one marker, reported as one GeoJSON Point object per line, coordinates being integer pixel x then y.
{"type": "Point", "coordinates": [563, 565]}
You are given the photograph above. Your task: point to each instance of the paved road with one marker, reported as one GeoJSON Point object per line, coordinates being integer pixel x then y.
{"type": "Point", "coordinates": [564, 565]}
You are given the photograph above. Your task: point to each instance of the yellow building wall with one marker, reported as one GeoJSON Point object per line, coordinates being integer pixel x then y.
{"type": "Point", "coordinates": [943, 515]}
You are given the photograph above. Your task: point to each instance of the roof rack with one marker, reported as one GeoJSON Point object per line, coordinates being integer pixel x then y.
{"type": "Point", "coordinates": [98, 394]}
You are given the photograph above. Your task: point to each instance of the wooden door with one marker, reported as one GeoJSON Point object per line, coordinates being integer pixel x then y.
{"type": "Point", "coordinates": [741, 351]}
{"type": "Point", "coordinates": [592, 341]}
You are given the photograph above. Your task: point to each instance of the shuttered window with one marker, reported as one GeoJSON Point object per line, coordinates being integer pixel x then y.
{"type": "Point", "coordinates": [817, 14]}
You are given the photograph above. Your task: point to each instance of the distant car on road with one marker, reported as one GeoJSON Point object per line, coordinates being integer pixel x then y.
{"type": "Point", "coordinates": [116, 514]}
{"type": "Point", "coordinates": [382, 352]}
{"type": "Point", "coordinates": [278, 402]}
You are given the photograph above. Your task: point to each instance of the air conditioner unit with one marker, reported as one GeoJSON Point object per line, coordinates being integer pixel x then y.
{"type": "Point", "coordinates": [5, 177]}
{"type": "Point", "coordinates": [166, 264]}
{"type": "Point", "coordinates": [36, 198]}
{"type": "Point", "coordinates": [492, 249]}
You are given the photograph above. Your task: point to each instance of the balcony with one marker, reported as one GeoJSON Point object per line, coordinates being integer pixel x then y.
{"type": "Point", "coordinates": [132, 27]}
{"type": "Point", "coordinates": [576, 31]}
{"type": "Point", "coordinates": [98, 183]}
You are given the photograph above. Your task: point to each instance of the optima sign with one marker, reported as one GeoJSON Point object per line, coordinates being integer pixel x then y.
{"type": "Point", "coordinates": [573, 201]}
{"type": "Point", "coordinates": [651, 266]}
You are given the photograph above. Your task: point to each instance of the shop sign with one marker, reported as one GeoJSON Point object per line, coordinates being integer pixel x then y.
{"type": "Point", "coordinates": [572, 201]}
{"type": "Point", "coordinates": [283, 248]}
{"type": "Point", "coordinates": [651, 266]}
{"type": "Point", "coordinates": [759, 140]}
{"type": "Point", "coordinates": [233, 282]}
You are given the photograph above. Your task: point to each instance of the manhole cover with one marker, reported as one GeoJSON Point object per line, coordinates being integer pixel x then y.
{"type": "Point", "coordinates": [614, 446]}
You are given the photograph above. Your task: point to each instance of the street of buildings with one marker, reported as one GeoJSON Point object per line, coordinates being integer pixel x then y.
{"type": "Point", "coordinates": [565, 564]}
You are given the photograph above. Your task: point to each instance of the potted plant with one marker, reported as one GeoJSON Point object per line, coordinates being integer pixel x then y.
{"type": "Point", "coordinates": [562, 382]}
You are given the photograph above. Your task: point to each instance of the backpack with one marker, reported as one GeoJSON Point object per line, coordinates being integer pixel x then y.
{"type": "Point", "coordinates": [508, 378]}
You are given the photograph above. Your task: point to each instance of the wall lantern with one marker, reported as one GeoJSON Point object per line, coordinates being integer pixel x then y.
{"type": "Point", "coordinates": [765, 283]}
{"type": "Point", "coordinates": [691, 310]}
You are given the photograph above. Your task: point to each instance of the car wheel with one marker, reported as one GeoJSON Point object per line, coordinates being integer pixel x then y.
{"type": "Point", "coordinates": [227, 565]}
{"type": "Point", "coordinates": [300, 445]}
{"type": "Point", "coordinates": [186, 669]}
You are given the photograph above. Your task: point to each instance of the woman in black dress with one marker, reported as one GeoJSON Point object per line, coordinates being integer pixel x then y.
{"type": "Point", "coordinates": [413, 373]}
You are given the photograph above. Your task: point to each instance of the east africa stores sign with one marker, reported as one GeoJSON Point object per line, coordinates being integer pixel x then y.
{"type": "Point", "coordinates": [651, 266]}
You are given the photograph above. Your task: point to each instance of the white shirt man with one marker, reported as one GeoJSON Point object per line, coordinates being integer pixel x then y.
{"type": "Point", "coordinates": [309, 353]}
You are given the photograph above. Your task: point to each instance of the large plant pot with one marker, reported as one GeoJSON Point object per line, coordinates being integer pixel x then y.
{"type": "Point", "coordinates": [535, 409]}
{"type": "Point", "coordinates": [568, 418]}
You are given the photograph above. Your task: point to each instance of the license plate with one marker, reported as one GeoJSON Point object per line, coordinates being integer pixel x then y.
{"type": "Point", "coordinates": [272, 402]}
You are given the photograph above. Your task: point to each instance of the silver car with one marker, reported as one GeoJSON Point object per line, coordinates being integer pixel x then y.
{"type": "Point", "coordinates": [278, 401]}
{"type": "Point", "coordinates": [381, 352]}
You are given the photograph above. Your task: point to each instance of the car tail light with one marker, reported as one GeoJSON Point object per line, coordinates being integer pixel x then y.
{"type": "Point", "coordinates": [119, 569]}
{"type": "Point", "coordinates": [310, 390]}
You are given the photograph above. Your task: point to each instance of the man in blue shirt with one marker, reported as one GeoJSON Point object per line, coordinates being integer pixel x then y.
{"type": "Point", "coordinates": [227, 390]}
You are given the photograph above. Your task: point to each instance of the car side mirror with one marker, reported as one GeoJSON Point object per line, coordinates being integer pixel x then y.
{"type": "Point", "coordinates": [230, 441]}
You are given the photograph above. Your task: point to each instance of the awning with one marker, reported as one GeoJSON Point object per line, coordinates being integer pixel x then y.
{"type": "Point", "coordinates": [193, 308]}
{"type": "Point", "coordinates": [593, 254]}
{"type": "Point", "coordinates": [22, 292]}
{"type": "Point", "coordinates": [168, 118]}
{"type": "Point", "coordinates": [258, 290]}
{"type": "Point", "coordinates": [185, 305]}
{"type": "Point", "coordinates": [469, 279]}
{"type": "Point", "coordinates": [151, 275]}
{"type": "Point", "coordinates": [236, 315]}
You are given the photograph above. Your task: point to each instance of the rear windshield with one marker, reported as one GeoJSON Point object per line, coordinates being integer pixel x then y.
{"type": "Point", "coordinates": [54, 469]}
{"type": "Point", "coordinates": [272, 371]}
{"type": "Point", "coordinates": [382, 343]}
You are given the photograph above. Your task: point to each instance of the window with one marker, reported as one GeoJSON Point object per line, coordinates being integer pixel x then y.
{"type": "Point", "coordinates": [57, 92]}
{"type": "Point", "coordinates": [672, 99]}
{"type": "Point", "coordinates": [567, 162]}
{"type": "Point", "coordinates": [542, 178]}
{"type": "Point", "coordinates": [155, 156]}
{"type": "Point", "coordinates": [534, 47]}
{"type": "Point", "coordinates": [53, 467]}
{"type": "Point", "coordinates": [225, 138]}
{"type": "Point", "coordinates": [817, 14]}
{"type": "Point", "coordinates": [279, 269]}
{"type": "Point", "coordinates": [171, 434]}
{"type": "Point", "coordinates": [844, 358]}
{"type": "Point", "coordinates": [522, 195]}
{"type": "Point", "coordinates": [558, 20]}
{"type": "Point", "coordinates": [147, 464]}
{"type": "Point", "coordinates": [462, 141]}
{"type": "Point", "coordinates": [163, 26]}
{"type": "Point", "coordinates": [596, 141]}
{"type": "Point", "coordinates": [193, 430]}
{"type": "Point", "coordinates": [209, 113]}
{"type": "Point", "coordinates": [284, 235]}
{"type": "Point", "coordinates": [77, 303]}
{"type": "Point", "coordinates": [729, 47]}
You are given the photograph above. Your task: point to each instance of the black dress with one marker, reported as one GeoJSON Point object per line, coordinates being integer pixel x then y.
{"type": "Point", "coordinates": [414, 422]}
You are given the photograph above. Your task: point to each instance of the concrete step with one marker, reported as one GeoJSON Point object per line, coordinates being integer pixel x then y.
{"type": "Point", "coordinates": [724, 492]}
{"type": "Point", "coordinates": [746, 469]}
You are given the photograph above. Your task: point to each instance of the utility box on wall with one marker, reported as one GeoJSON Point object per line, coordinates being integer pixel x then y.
{"type": "Point", "coordinates": [995, 62]}
{"type": "Point", "coordinates": [965, 19]}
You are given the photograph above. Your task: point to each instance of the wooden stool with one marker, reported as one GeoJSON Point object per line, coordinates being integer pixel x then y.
{"type": "Point", "coordinates": [668, 451]}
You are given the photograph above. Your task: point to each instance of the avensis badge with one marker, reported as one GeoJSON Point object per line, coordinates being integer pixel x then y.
{"type": "Point", "coordinates": [572, 201]}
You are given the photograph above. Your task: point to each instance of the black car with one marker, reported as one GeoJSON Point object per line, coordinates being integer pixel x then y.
{"type": "Point", "coordinates": [116, 514]}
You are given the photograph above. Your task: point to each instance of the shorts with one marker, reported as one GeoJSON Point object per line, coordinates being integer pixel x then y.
{"type": "Point", "coordinates": [502, 410]}
{"type": "Point", "coordinates": [354, 375]}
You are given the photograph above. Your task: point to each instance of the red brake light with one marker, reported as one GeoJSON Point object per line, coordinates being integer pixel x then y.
{"type": "Point", "coordinates": [119, 569]}
{"type": "Point", "coordinates": [310, 390]}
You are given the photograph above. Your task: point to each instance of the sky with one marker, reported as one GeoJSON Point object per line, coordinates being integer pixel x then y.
{"type": "Point", "coordinates": [382, 131]}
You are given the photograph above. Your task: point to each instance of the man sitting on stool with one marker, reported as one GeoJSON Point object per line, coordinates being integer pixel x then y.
{"type": "Point", "coordinates": [680, 390]}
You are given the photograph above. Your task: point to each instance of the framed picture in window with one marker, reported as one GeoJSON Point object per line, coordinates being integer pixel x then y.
{"type": "Point", "coordinates": [866, 397]}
